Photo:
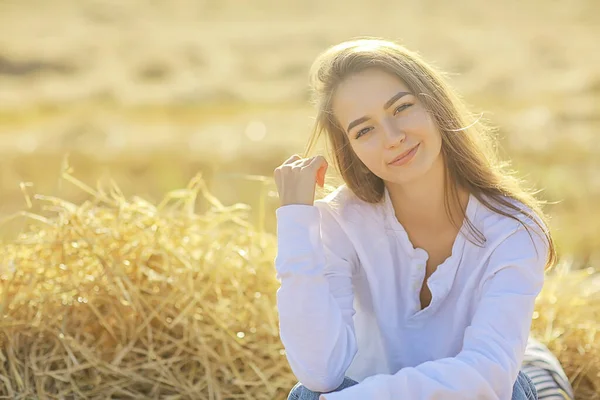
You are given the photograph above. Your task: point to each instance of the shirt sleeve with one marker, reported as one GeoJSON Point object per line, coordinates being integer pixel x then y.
{"type": "Point", "coordinates": [315, 262]}
{"type": "Point", "coordinates": [494, 344]}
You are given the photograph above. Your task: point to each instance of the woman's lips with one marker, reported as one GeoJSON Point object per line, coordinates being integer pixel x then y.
{"type": "Point", "coordinates": [406, 157]}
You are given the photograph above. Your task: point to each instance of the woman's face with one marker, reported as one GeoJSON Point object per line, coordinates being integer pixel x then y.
{"type": "Point", "coordinates": [383, 121]}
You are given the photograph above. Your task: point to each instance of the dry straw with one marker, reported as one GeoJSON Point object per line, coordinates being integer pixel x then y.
{"type": "Point", "coordinates": [121, 298]}
{"type": "Point", "coordinates": [567, 320]}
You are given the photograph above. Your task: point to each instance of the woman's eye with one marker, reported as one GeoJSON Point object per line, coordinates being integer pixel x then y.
{"type": "Point", "coordinates": [396, 111]}
{"type": "Point", "coordinates": [362, 132]}
{"type": "Point", "coordinates": [402, 107]}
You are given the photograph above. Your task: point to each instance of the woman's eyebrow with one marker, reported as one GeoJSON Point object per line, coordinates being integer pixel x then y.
{"type": "Point", "coordinates": [394, 98]}
{"type": "Point", "coordinates": [387, 105]}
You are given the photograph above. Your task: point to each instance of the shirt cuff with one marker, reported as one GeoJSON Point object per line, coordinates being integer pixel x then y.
{"type": "Point", "coordinates": [355, 392]}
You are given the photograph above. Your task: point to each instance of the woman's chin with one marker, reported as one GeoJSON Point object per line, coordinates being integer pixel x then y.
{"type": "Point", "coordinates": [409, 174]}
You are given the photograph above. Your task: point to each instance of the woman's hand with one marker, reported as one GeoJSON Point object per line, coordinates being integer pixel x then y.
{"type": "Point", "coordinates": [297, 177]}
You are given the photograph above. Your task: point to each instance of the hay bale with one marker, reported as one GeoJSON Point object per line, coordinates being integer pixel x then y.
{"type": "Point", "coordinates": [127, 299]}
{"type": "Point", "coordinates": [567, 320]}
{"type": "Point", "coordinates": [123, 298]}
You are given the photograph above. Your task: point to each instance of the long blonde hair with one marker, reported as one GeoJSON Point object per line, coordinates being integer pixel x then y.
{"type": "Point", "coordinates": [469, 156]}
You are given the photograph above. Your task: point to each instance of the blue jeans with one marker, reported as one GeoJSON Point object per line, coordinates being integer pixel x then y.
{"type": "Point", "coordinates": [522, 390]}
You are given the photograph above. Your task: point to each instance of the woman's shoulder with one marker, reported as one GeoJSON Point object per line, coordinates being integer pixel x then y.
{"type": "Point", "coordinates": [513, 241]}
{"type": "Point", "coordinates": [339, 201]}
{"type": "Point", "coordinates": [510, 217]}
{"type": "Point", "coordinates": [348, 210]}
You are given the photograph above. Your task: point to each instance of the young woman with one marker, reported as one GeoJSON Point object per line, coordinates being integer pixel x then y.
{"type": "Point", "coordinates": [415, 279]}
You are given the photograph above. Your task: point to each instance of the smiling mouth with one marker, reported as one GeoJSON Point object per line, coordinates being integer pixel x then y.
{"type": "Point", "coordinates": [405, 157]}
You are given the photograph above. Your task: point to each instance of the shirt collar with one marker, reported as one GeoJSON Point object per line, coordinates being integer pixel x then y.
{"type": "Point", "coordinates": [393, 223]}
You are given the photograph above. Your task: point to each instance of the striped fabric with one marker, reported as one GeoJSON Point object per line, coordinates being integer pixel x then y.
{"type": "Point", "coordinates": [545, 371]}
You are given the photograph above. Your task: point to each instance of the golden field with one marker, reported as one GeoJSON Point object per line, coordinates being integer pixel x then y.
{"type": "Point", "coordinates": [154, 91]}
{"type": "Point", "coordinates": [149, 93]}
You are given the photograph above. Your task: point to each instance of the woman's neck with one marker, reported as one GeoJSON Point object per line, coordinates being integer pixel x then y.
{"type": "Point", "coordinates": [422, 203]}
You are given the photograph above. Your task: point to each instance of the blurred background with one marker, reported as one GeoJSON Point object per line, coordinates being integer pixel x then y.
{"type": "Point", "coordinates": [150, 92]}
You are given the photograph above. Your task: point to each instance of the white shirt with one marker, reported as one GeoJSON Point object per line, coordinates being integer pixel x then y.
{"type": "Point", "coordinates": [349, 302]}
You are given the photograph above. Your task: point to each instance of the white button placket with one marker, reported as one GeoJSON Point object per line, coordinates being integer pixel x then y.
{"type": "Point", "coordinates": [419, 275]}
{"type": "Point", "coordinates": [418, 280]}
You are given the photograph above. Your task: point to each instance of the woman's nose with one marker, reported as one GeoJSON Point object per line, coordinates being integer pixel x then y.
{"type": "Point", "coordinates": [393, 135]}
